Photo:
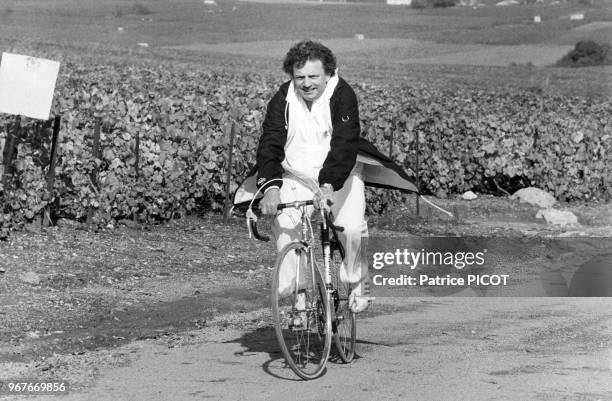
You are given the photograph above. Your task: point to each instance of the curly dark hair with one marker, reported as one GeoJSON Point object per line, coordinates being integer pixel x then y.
{"type": "Point", "coordinates": [309, 50]}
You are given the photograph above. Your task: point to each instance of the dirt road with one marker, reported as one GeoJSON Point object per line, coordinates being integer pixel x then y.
{"type": "Point", "coordinates": [180, 312]}
{"type": "Point", "coordinates": [409, 349]}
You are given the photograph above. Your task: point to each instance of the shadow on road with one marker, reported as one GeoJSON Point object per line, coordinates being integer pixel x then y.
{"type": "Point", "coordinates": [263, 340]}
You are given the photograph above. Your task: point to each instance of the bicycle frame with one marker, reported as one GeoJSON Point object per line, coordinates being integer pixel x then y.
{"type": "Point", "coordinates": [307, 235]}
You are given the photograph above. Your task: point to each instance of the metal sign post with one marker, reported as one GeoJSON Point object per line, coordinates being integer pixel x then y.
{"type": "Point", "coordinates": [94, 176]}
{"type": "Point", "coordinates": [51, 173]}
{"type": "Point", "coordinates": [227, 206]}
{"type": "Point", "coordinates": [9, 152]}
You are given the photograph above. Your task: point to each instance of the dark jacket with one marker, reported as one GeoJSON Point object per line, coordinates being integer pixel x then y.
{"type": "Point", "coordinates": [346, 147]}
{"type": "Point", "coordinates": [344, 141]}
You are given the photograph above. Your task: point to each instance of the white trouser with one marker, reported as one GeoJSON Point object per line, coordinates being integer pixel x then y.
{"type": "Point", "coordinates": [348, 210]}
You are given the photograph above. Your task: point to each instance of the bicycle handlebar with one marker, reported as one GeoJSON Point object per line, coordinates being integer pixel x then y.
{"type": "Point", "coordinates": [252, 219]}
{"type": "Point", "coordinates": [295, 204]}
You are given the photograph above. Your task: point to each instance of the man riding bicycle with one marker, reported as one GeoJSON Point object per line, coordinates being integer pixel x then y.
{"type": "Point", "coordinates": [311, 140]}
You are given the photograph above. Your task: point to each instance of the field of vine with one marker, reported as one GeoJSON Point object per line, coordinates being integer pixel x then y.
{"type": "Point", "coordinates": [165, 113]}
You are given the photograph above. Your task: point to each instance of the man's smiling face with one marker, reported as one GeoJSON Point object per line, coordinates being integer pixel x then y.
{"type": "Point", "coordinates": [310, 80]}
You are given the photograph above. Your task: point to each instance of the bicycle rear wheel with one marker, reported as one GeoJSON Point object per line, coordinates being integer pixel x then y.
{"type": "Point", "coordinates": [302, 317]}
{"type": "Point", "coordinates": [344, 325]}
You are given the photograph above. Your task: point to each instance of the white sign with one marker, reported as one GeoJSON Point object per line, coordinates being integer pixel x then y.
{"type": "Point", "coordinates": [27, 85]}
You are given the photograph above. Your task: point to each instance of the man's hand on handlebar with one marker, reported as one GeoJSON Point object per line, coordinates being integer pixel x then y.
{"type": "Point", "coordinates": [270, 201]}
{"type": "Point", "coordinates": [323, 199]}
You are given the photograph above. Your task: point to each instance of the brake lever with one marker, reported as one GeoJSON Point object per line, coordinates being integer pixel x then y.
{"type": "Point", "coordinates": [252, 226]}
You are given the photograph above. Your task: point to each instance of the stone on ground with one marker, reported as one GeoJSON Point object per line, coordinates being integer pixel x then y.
{"type": "Point", "coordinates": [555, 217]}
{"type": "Point", "coordinates": [30, 278]}
{"type": "Point", "coordinates": [469, 195]}
{"type": "Point", "coordinates": [535, 196]}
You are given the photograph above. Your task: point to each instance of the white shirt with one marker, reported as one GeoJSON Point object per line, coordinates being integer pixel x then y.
{"type": "Point", "coordinates": [308, 132]}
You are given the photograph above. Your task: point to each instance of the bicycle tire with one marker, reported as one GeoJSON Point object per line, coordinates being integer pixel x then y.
{"type": "Point", "coordinates": [344, 323]}
{"type": "Point", "coordinates": [305, 348]}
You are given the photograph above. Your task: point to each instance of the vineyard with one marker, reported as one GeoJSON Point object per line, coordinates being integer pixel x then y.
{"type": "Point", "coordinates": [164, 142]}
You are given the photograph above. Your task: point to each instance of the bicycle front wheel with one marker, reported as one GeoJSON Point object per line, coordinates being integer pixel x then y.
{"type": "Point", "coordinates": [301, 311]}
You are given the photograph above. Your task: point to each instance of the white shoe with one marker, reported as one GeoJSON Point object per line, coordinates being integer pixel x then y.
{"type": "Point", "coordinates": [358, 303]}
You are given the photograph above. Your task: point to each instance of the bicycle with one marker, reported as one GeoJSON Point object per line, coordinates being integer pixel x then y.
{"type": "Point", "coordinates": [317, 309]}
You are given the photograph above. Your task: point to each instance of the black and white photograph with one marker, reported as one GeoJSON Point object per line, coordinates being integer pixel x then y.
{"type": "Point", "coordinates": [306, 200]}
